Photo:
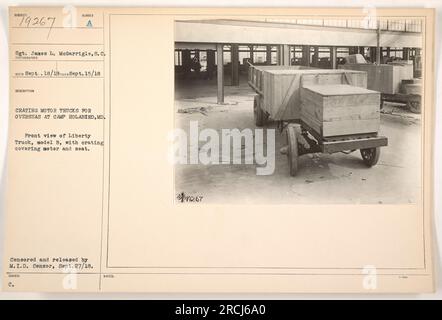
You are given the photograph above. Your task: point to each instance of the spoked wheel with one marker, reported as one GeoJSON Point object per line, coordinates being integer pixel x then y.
{"type": "Point", "coordinates": [370, 156]}
{"type": "Point", "coordinates": [259, 114]}
{"type": "Point", "coordinates": [292, 150]}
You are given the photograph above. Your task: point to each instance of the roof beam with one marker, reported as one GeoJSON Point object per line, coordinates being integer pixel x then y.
{"type": "Point", "coordinates": [213, 32]}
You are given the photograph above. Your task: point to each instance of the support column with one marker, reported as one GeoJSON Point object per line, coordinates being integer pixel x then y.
{"type": "Point", "coordinates": [278, 55]}
{"type": "Point", "coordinates": [292, 55]}
{"type": "Point", "coordinates": [315, 56]}
{"type": "Point", "coordinates": [333, 57]}
{"type": "Point", "coordinates": [235, 65]}
{"type": "Point", "coordinates": [306, 56]}
{"type": "Point", "coordinates": [269, 55]}
{"type": "Point", "coordinates": [195, 66]}
{"type": "Point", "coordinates": [378, 44]}
{"type": "Point", "coordinates": [372, 54]}
{"type": "Point", "coordinates": [186, 61]}
{"type": "Point", "coordinates": [210, 63]}
{"type": "Point", "coordinates": [251, 54]}
{"type": "Point", "coordinates": [285, 50]}
{"type": "Point", "coordinates": [220, 73]}
{"type": "Point", "coordinates": [405, 53]}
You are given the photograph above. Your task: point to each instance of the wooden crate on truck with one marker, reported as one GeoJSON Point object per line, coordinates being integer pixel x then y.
{"type": "Point", "coordinates": [339, 109]}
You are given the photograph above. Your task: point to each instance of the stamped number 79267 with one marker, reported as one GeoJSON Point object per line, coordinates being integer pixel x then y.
{"type": "Point", "coordinates": [39, 22]}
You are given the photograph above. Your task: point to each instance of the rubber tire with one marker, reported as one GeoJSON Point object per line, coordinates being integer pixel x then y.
{"type": "Point", "coordinates": [259, 114]}
{"type": "Point", "coordinates": [370, 156]}
{"type": "Point", "coordinates": [414, 106]}
{"type": "Point", "coordinates": [292, 150]}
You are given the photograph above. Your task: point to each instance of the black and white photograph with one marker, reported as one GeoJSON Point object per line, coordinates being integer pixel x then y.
{"type": "Point", "coordinates": [231, 151]}
{"type": "Point", "coordinates": [295, 110]}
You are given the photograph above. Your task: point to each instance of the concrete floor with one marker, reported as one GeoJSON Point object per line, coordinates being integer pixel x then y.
{"type": "Point", "coordinates": [322, 179]}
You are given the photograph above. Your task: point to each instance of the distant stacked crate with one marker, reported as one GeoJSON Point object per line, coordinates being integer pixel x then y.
{"type": "Point", "coordinates": [336, 110]}
{"type": "Point", "coordinates": [385, 78]}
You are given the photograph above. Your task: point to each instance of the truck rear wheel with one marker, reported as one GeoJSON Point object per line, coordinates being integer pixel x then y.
{"type": "Point", "coordinates": [292, 150]}
{"type": "Point", "coordinates": [370, 156]}
{"type": "Point", "coordinates": [414, 106]}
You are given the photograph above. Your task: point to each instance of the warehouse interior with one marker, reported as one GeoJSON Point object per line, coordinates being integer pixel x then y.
{"type": "Point", "coordinates": [212, 60]}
